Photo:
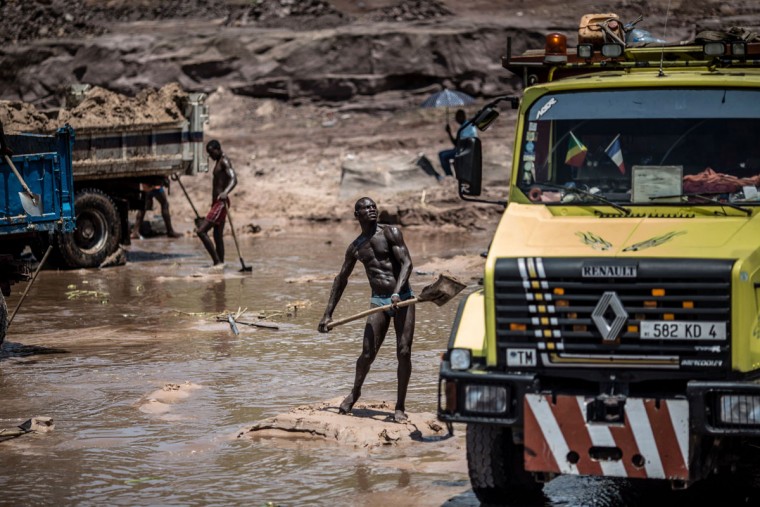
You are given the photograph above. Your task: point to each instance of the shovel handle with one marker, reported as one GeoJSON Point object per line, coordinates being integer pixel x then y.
{"type": "Point", "coordinates": [15, 171]}
{"type": "Point", "coordinates": [175, 177]}
{"type": "Point", "coordinates": [377, 309]}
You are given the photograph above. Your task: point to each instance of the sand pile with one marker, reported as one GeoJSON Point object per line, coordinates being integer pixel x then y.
{"type": "Point", "coordinates": [100, 108]}
{"type": "Point", "coordinates": [21, 117]}
{"type": "Point", "coordinates": [104, 108]}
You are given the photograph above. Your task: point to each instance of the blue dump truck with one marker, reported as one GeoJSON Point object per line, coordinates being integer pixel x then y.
{"type": "Point", "coordinates": [121, 143]}
{"type": "Point", "coordinates": [36, 202]}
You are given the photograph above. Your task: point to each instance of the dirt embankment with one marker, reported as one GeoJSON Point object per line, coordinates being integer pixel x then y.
{"type": "Point", "coordinates": [316, 102]}
{"type": "Point", "coordinates": [315, 50]}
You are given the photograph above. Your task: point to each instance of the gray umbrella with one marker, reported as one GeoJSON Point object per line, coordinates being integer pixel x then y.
{"type": "Point", "coordinates": [447, 98]}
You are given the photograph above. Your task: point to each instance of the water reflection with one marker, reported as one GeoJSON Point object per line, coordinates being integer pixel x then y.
{"type": "Point", "coordinates": [214, 297]}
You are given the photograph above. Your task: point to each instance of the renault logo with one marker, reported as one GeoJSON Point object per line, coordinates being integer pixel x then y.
{"type": "Point", "coordinates": [609, 302]}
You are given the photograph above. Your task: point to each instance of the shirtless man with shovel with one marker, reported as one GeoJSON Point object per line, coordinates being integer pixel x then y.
{"type": "Point", "coordinates": [386, 260]}
{"type": "Point", "coordinates": [224, 180]}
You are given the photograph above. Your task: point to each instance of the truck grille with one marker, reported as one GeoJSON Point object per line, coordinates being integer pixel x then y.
{"type": "Point", "coordinates": [645, 313]}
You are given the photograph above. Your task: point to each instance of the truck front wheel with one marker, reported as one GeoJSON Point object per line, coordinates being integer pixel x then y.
{"type": "Point", "coordinates": [97, 232]}
{"type": "Point", "coordinates": [495, 465]}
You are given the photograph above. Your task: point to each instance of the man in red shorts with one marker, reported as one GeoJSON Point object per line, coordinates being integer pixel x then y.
{"type": "Point", "coordinates": [224, 180]}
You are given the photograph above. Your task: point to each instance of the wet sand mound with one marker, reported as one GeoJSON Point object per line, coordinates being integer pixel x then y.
{"type": "Point", "coordinates": [369, 425]}
{"type": "Point", "coordinates": [161, 401]}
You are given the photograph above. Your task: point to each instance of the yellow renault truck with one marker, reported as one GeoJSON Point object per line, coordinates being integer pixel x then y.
{"type": "Point", "coordinates": [617, 332]}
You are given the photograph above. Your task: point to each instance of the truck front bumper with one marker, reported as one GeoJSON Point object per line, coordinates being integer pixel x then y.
{"type": "Point", "coordinates": [715, 408]}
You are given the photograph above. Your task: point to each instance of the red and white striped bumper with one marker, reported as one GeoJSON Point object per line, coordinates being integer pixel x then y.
{"type": "Point", "coordinates": [654, 440]}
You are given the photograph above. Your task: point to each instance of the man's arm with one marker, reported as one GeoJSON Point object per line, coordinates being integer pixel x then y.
{"type": "Point", "coordinates": [401, 253]}
{"type": "Point", "coordinates": [451, 136]}
{"type": "Point", "coordinates": [339, 284]}
{"type": "Point", "coordinates": [227, 166]}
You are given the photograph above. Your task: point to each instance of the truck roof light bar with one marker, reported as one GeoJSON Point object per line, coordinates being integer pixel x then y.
{"type": "Point", "coordinates": [585, 51]}
{"type": "Point", "coordinates": [555, 50]}
{"type": "Point", "coordinates": [612, 50]}
{"type": "Point", "coordinates": [739, 49]}
{"type": "Point", "coordinates": [714, 49]}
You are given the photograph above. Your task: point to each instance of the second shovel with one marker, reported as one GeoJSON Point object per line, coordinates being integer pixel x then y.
{"type": "Point", "coordinates": [29, 200]}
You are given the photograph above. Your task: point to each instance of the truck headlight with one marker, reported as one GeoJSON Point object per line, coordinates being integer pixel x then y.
{"type": "Point", "coordinates": [460, 359]}
{"type": "Point", "coordinates": [485, 398]}
{"type": "Point", "coordinates": [740, 409]}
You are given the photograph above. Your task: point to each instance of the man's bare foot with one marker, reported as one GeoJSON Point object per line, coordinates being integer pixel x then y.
{"type": "Point", "coordinates": [347, 404]}
{"type": "Point", "coordinates": [173, 235]}
{"type": "Point", "coordinates": [134, 235]}
{"type": "Point", "coordinates": [400, 416]}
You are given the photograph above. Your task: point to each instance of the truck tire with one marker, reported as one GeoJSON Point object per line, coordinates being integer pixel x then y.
{"type": "Point", "coordinates": [97, 232]}
{"type": "Point", "coordinates": [3, 318]}
{"type": "Point", "coordinates": [495, 466]}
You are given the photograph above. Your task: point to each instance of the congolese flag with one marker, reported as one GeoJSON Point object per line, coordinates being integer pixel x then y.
{"type": "Point", "coordinates": [576, 152]}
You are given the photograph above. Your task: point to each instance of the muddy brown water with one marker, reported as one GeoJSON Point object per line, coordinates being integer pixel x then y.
{"type": "Point", "coordinates": [91, 346]}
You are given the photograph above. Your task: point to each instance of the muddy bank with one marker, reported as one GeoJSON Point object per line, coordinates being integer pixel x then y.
{"type": "Point", "coordinates": [369, 425]}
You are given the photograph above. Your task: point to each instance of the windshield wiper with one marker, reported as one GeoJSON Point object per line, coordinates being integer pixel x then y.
{"type": "Point", "coordinates": [585, 193]}
{"type": "Point", "coordinates": [744, 210]}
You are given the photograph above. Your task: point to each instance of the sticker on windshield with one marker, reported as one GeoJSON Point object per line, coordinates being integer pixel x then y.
{"type": "Point", "coordinates": [528, 157]}
{"type": "Point", "coordinates": [532, 126]}
{"type": "Point", "coordinates": [530, 147]}
{"type": "Point", "coordinates": [530, 136]}
{"type": "Point", "coordinates": [545, 108]}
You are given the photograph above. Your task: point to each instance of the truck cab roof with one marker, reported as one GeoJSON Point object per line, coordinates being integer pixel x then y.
{"type": "Point", "coordinates": [699, 58]}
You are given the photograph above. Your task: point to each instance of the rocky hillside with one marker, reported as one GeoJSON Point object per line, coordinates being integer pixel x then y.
{"type": "Point", "coordinates": [314, 50]}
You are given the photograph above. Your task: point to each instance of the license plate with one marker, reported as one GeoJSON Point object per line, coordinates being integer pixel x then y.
{"type": "Point", "coordinates": [679, 330]}
{"type": "Point", "coordinates": [521, 357]}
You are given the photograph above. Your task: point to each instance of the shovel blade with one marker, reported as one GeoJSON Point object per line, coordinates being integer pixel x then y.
{"type": "Point", "coordinates": [30, 203]}
{"type": "Point", "coordinates": [442, 290]}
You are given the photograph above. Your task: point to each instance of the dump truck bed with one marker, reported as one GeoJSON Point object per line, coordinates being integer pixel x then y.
{"type": "Point", "coordinates": [44, 161]}
{"type": "Point", "coordinates": [143, 150]}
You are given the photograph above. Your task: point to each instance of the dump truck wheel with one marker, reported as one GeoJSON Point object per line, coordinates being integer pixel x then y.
{"type": "Point", "coordinates": [97, 232]}
{"type": "Point", "coordinates": [3, 318]}
{"type": "Point", "coordinates": [495, 466]}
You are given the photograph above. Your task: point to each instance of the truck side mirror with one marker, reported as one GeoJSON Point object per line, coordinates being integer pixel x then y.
{"type": "Point", "coordinates": [485, 118]}
{"type": "Point", "coordinates": [468, 165]}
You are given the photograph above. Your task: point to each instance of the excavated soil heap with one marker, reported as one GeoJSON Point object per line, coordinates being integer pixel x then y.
{"type": "Point", "coordinates": [100, 108]}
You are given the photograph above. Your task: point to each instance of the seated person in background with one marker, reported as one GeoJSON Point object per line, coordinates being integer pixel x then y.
{"type": "Point", "coordinates": [466, 130]}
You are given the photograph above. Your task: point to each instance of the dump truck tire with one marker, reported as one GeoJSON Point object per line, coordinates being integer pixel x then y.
{"type": "Point", "coordinates": [97, 233]}
{"type": "Point", "coordinates": [495, 466]}
{"type": "Point", "coordinates": [3, 318]}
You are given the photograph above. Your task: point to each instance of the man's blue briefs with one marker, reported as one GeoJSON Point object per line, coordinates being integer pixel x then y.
{"type": "Point", "coordinates": [377, 300]}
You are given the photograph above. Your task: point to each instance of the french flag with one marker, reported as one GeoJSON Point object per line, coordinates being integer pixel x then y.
{"type": "Point", "coordinates": [615, 152]}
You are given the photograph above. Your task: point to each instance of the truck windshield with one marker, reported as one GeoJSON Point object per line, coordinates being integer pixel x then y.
{"type": "Point", "coordinates": [643, 147]}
